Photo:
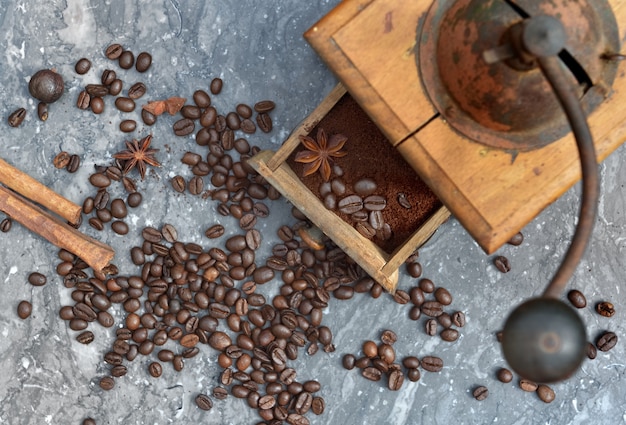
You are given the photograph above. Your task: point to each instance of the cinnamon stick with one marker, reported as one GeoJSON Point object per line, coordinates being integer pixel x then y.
{"type": "Point", "coordinates": [38, 192]}
{"type": "Point", "coordinates": [95, 253]}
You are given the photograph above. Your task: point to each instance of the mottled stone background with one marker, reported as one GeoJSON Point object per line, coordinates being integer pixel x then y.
{"type": "Point", "coordinates": [258, 50]}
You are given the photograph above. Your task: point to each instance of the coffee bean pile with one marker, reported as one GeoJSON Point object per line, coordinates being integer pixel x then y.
{"type": "Point", "coordinates": [379, 359]}
{"type": "Point", "coordinates": [607, 339]}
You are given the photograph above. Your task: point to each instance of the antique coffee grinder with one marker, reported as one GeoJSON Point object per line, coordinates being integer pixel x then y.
{"type": "Point", "coordinates": [518, 76]}
{"type": "Point", "coordinates": [494, 104]}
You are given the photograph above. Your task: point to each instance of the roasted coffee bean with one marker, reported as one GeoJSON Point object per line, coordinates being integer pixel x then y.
{"type": "Point", "coordinates": [196, 185]}
{"type": "Point", "coordinates": [432, 364]}
{"type": "Point", "coordinates": [504, 375]}
{"type": "Point", "coordinates": [248, 127]}
{"type": "Point", "coordinates": [431, 327]}
{"type": "Point", "coordinates": [97, 90]}
{"type": "Point", "coordinates": [401, 297]}
{"type": "Point", "coordinates": [17, 117]}
{"type": "Point", "coordinates": [388, 337]}
{"type": "Point", "coordinates": [178, 184]}
{"type": "Point", "coordinates": [116, 87]}
{"type": "Point", "coordinates": [458, 319]}
{"type": "Point", "coordinates": [264, 106]}
{"type": "Point", "coordinates": [24, 309]}
{"type": "Point", "coordinates": [155, 369]}
{"type": "Point", "coordinates": [74, 164]}
{"type": "Point", "coordinates": [605, 309]}
{"type": "Point", "coordinates": [414, 269]}
{"type": "Point", "coordinates": [37, 279]}
{"type": "Point", "coordinates": [411, 362]}
{"type": "Point", "coordinates": [502, 264]}
{"type": "Point", "coordinates": [107, 383]}
{"type": "Point", "coordinates": [96, 104]}
{"type": "Point", "coordinates": [128, 126]}
{"type": "Point", "coordinates": [126, 60]}
{"type": "Point", "coordinates": [395, 380]}
{"type": "Point", "coordinates": [5, 225]}
{"type": "Point", "coordinates": [427, 286]}
{"type": "Point", "coordinates": [202, 99]}
{"type": "Point", "coordinates": [606, 341]}
{"type": "Point", "coordinates": [216, 85]}
{"type": "Point", "coordinates": [545, 393]}
{"type": "Point", "coordinates": [449, 335]}
{"type": "Point", "coordinates": [577, 298]}
{"type": "Point", "coordinates": [137, 90]}
{"type": "Point", "coordinates": [350, 204]}
{"type": "Point", "coordinates": [114, 51]}
{"type": "Point", "coordinates": [134, 199]}
{"type": "Point", "coordinates": [348, 361]}
{"type": "Point", "coordinates": [443, 296]}
{"type": "Point", "coordinates": [233, 121]}
{"type": "Point", "coordinates": [125, 104]}
{"type": "Point", "coordinates": [318, 405]}
{"type": "Point", "coordinates": [432, 308]}
{"type": "Point", "coordinates": [214, 231]}
{"type": "Point", "coordinates": [365, 186]}
{"type": "Point", "coordinates": [417, 296]}
{"type": "Point", "coordinates": [144, 60]}
{"type": "Point", "coordinates": [99, 180]}
{"type": "Point", "coordinates": [204, 402]}
{"type": "Point", "coordinates": [374, 203]}
{"type": "Point", "coordinates": [414, 375]}
{"type": "Point", "coordinates": [480, 393]}
{"type": "Point", "coordinates": [85, 337]}
{"type": "Point", "coordinates": [42, 111]}
{"type": "Point", "coordinates": [107, 77]}
{"type": "Point", "coordinates": [372, 373]}
{"type": "Point", "coordinates": [403, 201]}
{"type": "Point", "coordinates": [82, 66]}
{"type": "Point", "coordinates": [148, 118]}
{"type": "Point", "coordinates": [264, 122]}
{"type": "Point", "coordinates": [119, 371]}
{"type": "Point", "coordinates": [527, 385]}
{"type": "Point", "coordinates": [61, 160]}
{"type": "Point", "coordinates": [516, 239]}
{"type": "Point", "coordinates": [83, 101]}
{"type": "Point", "coordinates": [591, 351]}
{"type": "Point", "coordinates": [184, 127]}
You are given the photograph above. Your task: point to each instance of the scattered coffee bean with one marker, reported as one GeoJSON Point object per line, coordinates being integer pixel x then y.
{"type": "Point", "coordinates": [577, 298]}
{"type": "Point", "coordinates": [516, 239]}
{"type": "Point", "coordinates": [17, 117]}
{"type": "Point", "coordinates": [480, 393]}
{"type": "Point", "coordinates": [432, 364]}
{"type": "Point", "coordinates": [606, 341]}
{"type": "Point", "coordinates": [85, 337]}
{"type": "Point", "coordinates": [5, 225]}
{"type": "Point", "coordinates": [528, 385]}
{"type": "Point", "coordinates": [126, 60]}
{"type": "Point", "coordinates": [107, 383]}
{"type": "Point", "coordinates": [144, 60]}
{"type": "Point", "coordinates": [591, 351]}
{"type": "Point", "coordinates": [216, 85]}
{"type": "Point", "coordinates": [545, 393]}
{"type": "Point", "coordinates": [136, 91]}
{"type": "Point", "coordinates": [24, 309]}
{"type": "Point", "coordinates": [37, 279]}
{"type": "Point", "coordinates": [114, 51]}
{"type": "Point", "coordinates": [605, 309]}
{"type": "Point", "coordinates": [504, 375]}
{"type": "Point", "coordinates": [502, 264]}
{"type": "Point", "coordinates": [204, 402]}
{"type": "Point", "coordinates": [61, 160]}
{"type": "Point", "coordinates": [82, 66]}
{"type": "Point", "coordinates": [155, 369]}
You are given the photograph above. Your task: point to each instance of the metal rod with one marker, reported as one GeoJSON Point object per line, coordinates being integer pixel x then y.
{"type": "Point", "coordinates": [551, 68]}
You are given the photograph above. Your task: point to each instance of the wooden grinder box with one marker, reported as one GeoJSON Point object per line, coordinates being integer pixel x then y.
{"type": "Point", "coordinates": [375, 158]}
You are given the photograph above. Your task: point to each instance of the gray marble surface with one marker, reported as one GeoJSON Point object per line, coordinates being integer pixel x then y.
{"type": "Point", "coordinates": [258, 50]}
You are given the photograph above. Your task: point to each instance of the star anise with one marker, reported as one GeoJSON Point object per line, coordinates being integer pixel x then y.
{"type": "Point", "coordinates": [138, 154]}
{"type": "Point", "coordinates": [319, 153]}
